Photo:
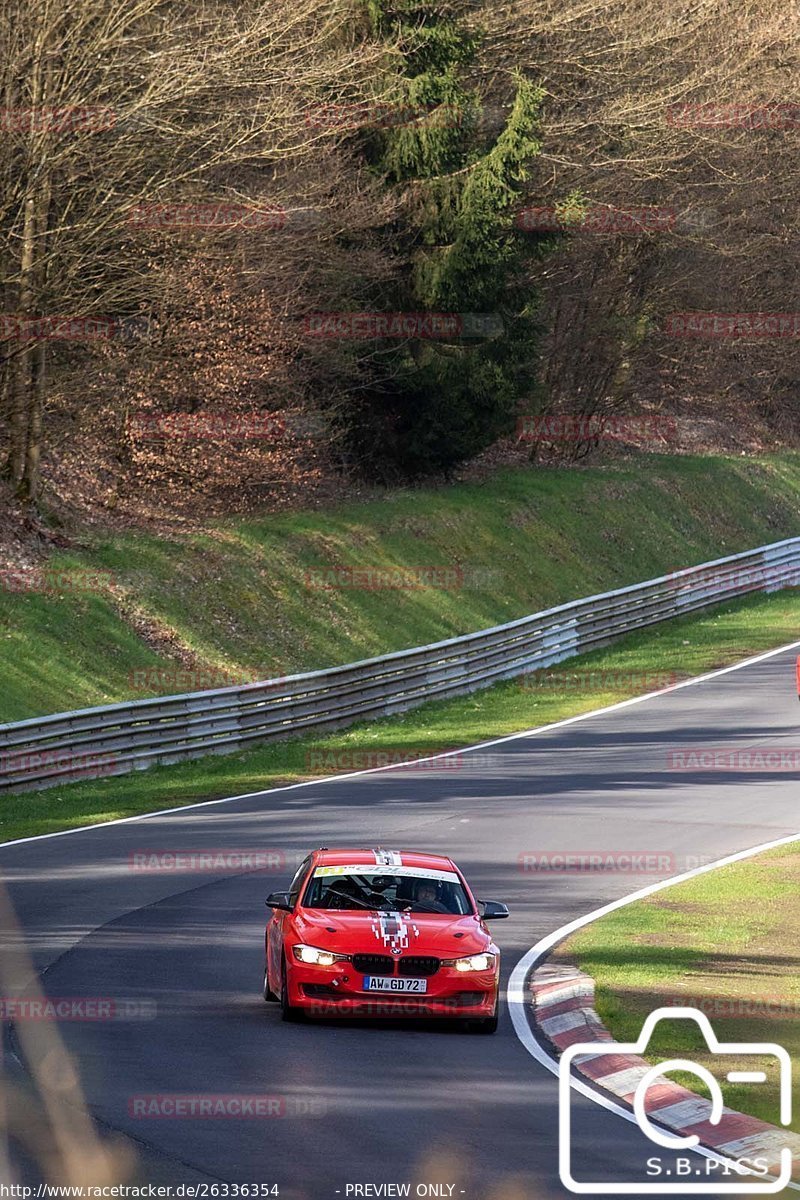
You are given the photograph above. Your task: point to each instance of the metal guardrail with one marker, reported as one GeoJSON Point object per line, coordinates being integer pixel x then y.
{"type": "Point", "coordinates": [118, 738]}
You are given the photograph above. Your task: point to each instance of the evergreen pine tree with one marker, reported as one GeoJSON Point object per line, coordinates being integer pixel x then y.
{"type": "Point", "coordinates": [431, 404]}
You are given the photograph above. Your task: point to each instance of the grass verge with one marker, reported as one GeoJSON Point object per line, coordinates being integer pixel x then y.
{"type": "Point", "coordinates": [243, 599]}
{"type": "Point", "coordinates": [672, 650]}
{"type": "Point", "coordinates": [725, 943]}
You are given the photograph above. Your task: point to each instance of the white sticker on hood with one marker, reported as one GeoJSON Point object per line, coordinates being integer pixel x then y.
{"type": "Point", "coordinates": [403, 872]}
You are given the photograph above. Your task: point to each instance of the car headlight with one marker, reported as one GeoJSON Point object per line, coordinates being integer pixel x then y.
{"type": "Point", "coordinates": [320, 958]}
{"type": "Point", "coordinates": [475, 962]}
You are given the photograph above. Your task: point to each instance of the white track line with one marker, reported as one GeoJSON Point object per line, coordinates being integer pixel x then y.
{"type": "Point", "coordinates": [516, 984]}
{"type": "Point", "coordinates": [509, 737]}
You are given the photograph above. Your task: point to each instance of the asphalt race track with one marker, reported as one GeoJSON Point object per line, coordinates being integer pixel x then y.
{"type": "Point", "coordinates": [376, 1102]}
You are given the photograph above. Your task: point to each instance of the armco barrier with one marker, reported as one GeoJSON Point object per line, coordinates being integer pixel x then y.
{"type": "Point", "coordinates": [124, 737]}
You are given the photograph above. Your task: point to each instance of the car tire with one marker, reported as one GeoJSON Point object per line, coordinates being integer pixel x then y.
{"type": "Point", "coordinates": [268, 993]}
{"type": "Point", "coordinates": [289, 1012]}
{"type": "Point", "coordinates": [482, 1024]}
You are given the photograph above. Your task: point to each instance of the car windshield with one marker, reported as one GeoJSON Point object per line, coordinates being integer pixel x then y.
{"type": "Point", "coordinates": [409, 890]}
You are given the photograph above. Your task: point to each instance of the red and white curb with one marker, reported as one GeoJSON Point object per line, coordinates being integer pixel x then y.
{"type": "Point", "coordinates": [564, 1013]}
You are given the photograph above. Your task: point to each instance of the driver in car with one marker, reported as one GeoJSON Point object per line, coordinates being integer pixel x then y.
{"type": "Point", "coordinates": [425, 893]}
{"type": "Point", "coordinates": [345, 894]}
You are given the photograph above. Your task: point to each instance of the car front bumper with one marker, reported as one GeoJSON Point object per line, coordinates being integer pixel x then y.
{"type": "Point", "coordinates": [339, 991]}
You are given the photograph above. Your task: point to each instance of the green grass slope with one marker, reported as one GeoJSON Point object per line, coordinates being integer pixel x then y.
{"type": "Point", "coordinates": [237, 596]}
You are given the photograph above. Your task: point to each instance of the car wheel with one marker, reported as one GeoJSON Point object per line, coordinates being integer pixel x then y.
{"type": "Point", "coordinates": [269, 995]}
{"type": "Point", "coordinates": [289, 1012]}
{"type": "Point", "coordinates": [482, 1024]}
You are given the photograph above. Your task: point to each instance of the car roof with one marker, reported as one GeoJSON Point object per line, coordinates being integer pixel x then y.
{"type": "Point", "coordinates": [378, 854]}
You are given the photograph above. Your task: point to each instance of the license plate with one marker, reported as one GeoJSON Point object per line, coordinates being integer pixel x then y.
{"type": "Point", "coordinates": [390, 983]}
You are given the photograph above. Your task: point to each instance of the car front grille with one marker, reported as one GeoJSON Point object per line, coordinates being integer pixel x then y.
{"type": "Point", "coordinates": [418, 965]}
{"type": "Point", "coordinates": [373, 964]}
{"type": "Point", "coordinates": [411, 964]}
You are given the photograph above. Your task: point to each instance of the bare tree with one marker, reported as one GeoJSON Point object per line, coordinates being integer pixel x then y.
{"type": "Point", "coordinates": [115, 104]}
{"type": "Point", "coordinates": [690, 109]}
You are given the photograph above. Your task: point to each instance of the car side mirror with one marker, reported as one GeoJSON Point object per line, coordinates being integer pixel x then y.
{"type": "Point", "coordinates": [493, 910]}
{"type": "Point", "coordinates": [279, 900]}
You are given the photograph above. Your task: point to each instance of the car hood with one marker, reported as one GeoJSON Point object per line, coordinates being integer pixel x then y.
{"type": "Point", "coordinates": [380, 933]}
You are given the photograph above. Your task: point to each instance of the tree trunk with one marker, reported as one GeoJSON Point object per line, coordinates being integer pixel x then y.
{"type": "Point", "coordinates": [29, 484]}
{"type": "Point", "coordinates": [28, 489]}
{"type": "Point", "coordinates": [34, 225]}
{"type": "Point", "coordinates": [19, 400]}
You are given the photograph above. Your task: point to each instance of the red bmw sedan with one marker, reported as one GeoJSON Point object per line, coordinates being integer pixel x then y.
{"type": "Point", "coordinates": [382, 933]}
